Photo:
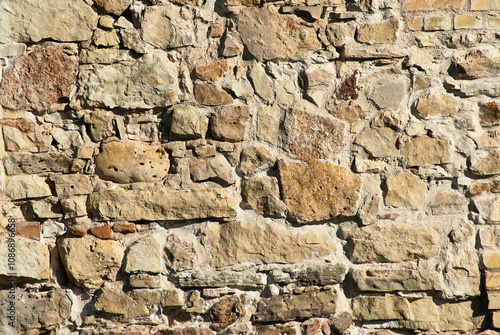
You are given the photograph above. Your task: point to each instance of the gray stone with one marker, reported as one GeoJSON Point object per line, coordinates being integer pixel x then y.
{"type": "Point", "coordinates": [37, 163]}
{"type": "Point", "coordinates": [215, 168]}
{"type": "Point", "coordinates": [145, 256]}
{"type": "Point", "coordinates": [390, 93]}
{"type": "Point", "coordinates": [101, 124]}
{"type": "Point", "coordinates": [74, 206]}
{"type": "Point", "coordinates": [33, 21]}
{"type": "Point", "coordinates": [73, 184]}
{"type": "Point", "coordinates": [51, 228]}
{"type": "Point", "coordinates": [262, 84]}
{"type": "Point", "coordinates": [31, 259]}
{"type": "Point", "coordinates": [268, 123]}
{"type": "Point", "coordinates": [26, 187]}
{"type": "Point", "coordinates": [162, 204]}
{"type": "Point", "coordinates": [241, 279]}
{"type": "Point", "coordinates": [188, 123]}
{"type": "Point", "coordinates": [378, 142]}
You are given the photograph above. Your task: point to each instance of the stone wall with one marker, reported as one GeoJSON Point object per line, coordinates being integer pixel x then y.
{"type": "Point", "coordinates": [249, 167]}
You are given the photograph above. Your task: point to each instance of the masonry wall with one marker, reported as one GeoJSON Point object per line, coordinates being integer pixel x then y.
{"type": "Point", "coordinates": [249, 167]}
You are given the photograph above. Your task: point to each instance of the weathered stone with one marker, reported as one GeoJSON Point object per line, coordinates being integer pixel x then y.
{"type": "Point", "coordinates": [381, 32]}
{"type": "Point", "coordinates": [112, 301]}
{"type": "Point", "coordinates": [268, 122]}
{"type": "Point", "coordinates": [485, 5]}
{"type": "Point", "coordinates": [404, 189]}
{"type": "Point", "coordinates": [338, 33]}
{"type": "Point", "coordinates": [380, 51]}
{"type": "Point", "coordinates": [214, 168]}
{"type": "Point", "coordinates": [436, 104]}
{"type": "Point", "coordinates": [243, 90]}
{"type": "Point", "coordinates": [51, 228]}
{"type": "Point", "coordinates": [103, 232]}
{"type": "Point", "coordinates": [73, 184]}
{"type": "Point", "coordinates": [285, 92]}
{"type": "Point", "coordinates": [187, 331]}
{"type": "Point", "coordinates": [212, 71]}
{"type": "Point", "coordinates": [380, 308]}
{"type": "Point", "coordinates": [488, 207]}
{"type": "Point", "coordinates": [242, 279]}
{"type": "Point", "coordinates": [492, 281]}
{"type": "Point", "coordinates": [269, 36]}
{"type": "Point", "coordinates": [313, 136]}
{"type": "Point", "coordinates": [324, 190]}
{"type": "Point", "coordinates": [416, 5]}
{"type": "Point", "coordinates": [390, 280]}
{"type": "Point", "coordinates": [226, 312]}
{"type": "Point", "coordinates": [116, 7]}
{"type": "Point", "coordinates": [467, 21]}
{"type": "Point", "coordinates": [37, 80]}
{"type": "Point", "coordinates": [486, 86]}
{"type": "Point", "coordinates": [351, 113]}
{"type": "Point", "coordinates": [131, 39]}
{"type": "Point", "coordinates": [209, 94]}
{"type": "Point", "coordinates": [143, 280]}
{"type": "Point", "coordinates": [436, 22]}
{"type": "Point", "coordinates": [478, 63]}
{"type": "Point", "coordinates": [125, 228]}
{"type": "Point", "coordinates": [78, 232]}
{"type": "Point", "coordinates": [279, 329]}
{"type": "Point", "coordinates": [56, 20]}
{"type": "Point", "coordinates": [66, 139]}
{"type": "Point", "coordinates": [491, 259]}
{"type": "Point", "coordinates": [489, 114]}
{"type": "Point", "coordinates": [254, 160]}
{"type": "Point", "coordinates": [74, 207]}
{"type": "Point", "coordinates": [89, 262]}
{"type": "Point", "coordinates": [101, 124]}
{"type": "Point", "coordinates": [106, 38]}
{"type": "Point", "coordinates": [145, 256]}
{"type": "Point", "coordinates": [230, 123]}
{"type": "Point", "coordinates": [390, 93]}
{"type": "Point", "coordinates": [105, 56]}
{"type": "Point", "coordinates": [493, 300]}
{"type": "Point", "coordinates": [146, 83]}
{"type": "Point", "coordinates": [25, 135]}
{"type": "Point", "coordinates": [261, 82]}
{"type": "Point", "coordinates": [188, 123]}
{"type": "Point", "coordinates": [448, 202]}
{"type": "Point", "coordinates": [40, 163]}
{"type": "Point", "coordinates": [234, 243]}
{"type": "Point", "coordinates": [157, 27]}
{"type": "Point", "coordinates": [43, 210]}
{"type": "Point", "coordinates": [161, 204]}
{"type": "Point", "coordinates": [485, 163]}
{"type": "Point", "coordinates": [26, 187]}
{"type": "Point", "coordinates": [230, 47]}
{"type": "Point", "coordinates": [263, 195]}
{"type": "Point", "coordinates": [182, 254]}
{"type": "Point", "coordinates": [319, 79]}
{"type": "Point", "coordinates": [425, 150]}
{"type": "Point", "coordinates": [348, 89]}
{"type": "Point", "coordinates": [31, 260]}
{"type": "Point", "coordinates": [129, 162]}
{"type": "Point", "coordinates": [320, 274]}
{"type": "Point", "coordinates": [392, 243]}
{"type": "Point", "coordinates": [301, 306]}
{"type": "Point", "coordinates": [378, 142]}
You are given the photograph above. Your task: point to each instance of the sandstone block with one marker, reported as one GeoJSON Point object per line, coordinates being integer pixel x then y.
{"type": "Point", "coordinates": [378, 142]}
{"type": "Point", "coordinates": [278, 329]}
{"type": "Point", "coordinates": [101, 124]}
{"type": "Point", "coordinates": [392, 243]}
{"type": "Point", "coordinates": [145, 256]}
{"type": "Point", "coordinates": [26, 187]}
{"type": "Point", "coordinates": [390, 93]}
{"type": "Point", "coordinates": [103, 232]}
{"type": "Point", "coordinates": [435, 22]}
{"type": "Point", "coordinates": [263, 195]}
{"type": "Point", "coordinates": [489, 114]}
{"type": "Point", "coordinates": [116, 7]}
{"type": "Point", "coordinates": [485, 163]}
{"type": "Point", "coordinates": [269, 36]}
{"type": "Point", "coordinates": [493, 300]}
{"type": "Point", "coordinates": [312, 136]}
{"type": "Point", "coordinates": [488, 207]}
{"type": "Point", "coordinates": [230, 123]}
{"type": "Point", "coordinates": [478, 63]}
{"type": "Point", "coordinates": [485, 5]}
{"type": "Point", "coordinates": [124, 228]}
{"type": "Point", "coordinates": [384, 307]}
{"type": "Point", "coordinates": [72, 184]}
{"type": "Point", "coordinates": [467, 21]}
{"type": "Point", "coordinates": [74, 207]}
{"type": "Point", "coordinates": [226, 312]}
{"type": "Point", "coordinates": [241, 280]}
{"type": "Point", "coordinates": [324, 190]}
{"type": "Point", "coordinates": [112, 301]}
{"type": "Point", "coordinates": [425, 150]}
{"type": "Point", "coordinates": [214, 168]}
{"type": "Point", "coordinates": [39, 163]}
{"type": "Point", "coordinates": [404, 189]}
{"type": "Point", "coordinates": [262, 84]}
{"type": "Point", "coordinates": [104, 56]}
{"type": "Point", "coordinates": [129, 162]}
{"type": "Point", "coordinates": [492, 281]}
{"type": "Point", "coordinates": [212, 71]}
{"type": "Point", "coordinates": [448, 202]}
{"type": "Point", "coordinates": [43, 210]}
{"type": "Point", "coordinates": [416, 5]}
{"type": "Point", "coordinates": [491, 259]}
{"type": "Point", "coordinates": [234, 243]}
{"type": "Point", "coordinates": [188, 123]}
{"type": "Point", "coordinates": [144, 280]}
{"type": "Point", "coordinates": [24, 135]}
{"type": "Point", "coordinates": [436, 104]}
{"type": "Point", "coordinates": [157, 27]}
{"type": "Point", "coordinates": [254, 160]}
{"type": "Point", "coordinates": [381, 32]}
{"type": "Point", "coordinates": [161, 204]}
{"type": "Point", "coordinates": [89, 262]}
{"type": "Point", "coordinates": [37, 80]}
{"type": "Point", "coordinates": [31, 259]}
{"type": "Point", "coordinates": [390, 280]}
{"type": "Point", "coordinates": [301, 306]}
{"type": "Point", "coordinates": [209, 94]}
{"type": "Point", "coordinates": [268, 122]}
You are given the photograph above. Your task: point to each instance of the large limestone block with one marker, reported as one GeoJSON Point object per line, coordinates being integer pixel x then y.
{"type": "Point", "coordinates": [236, 242]}
{"type": "Point", "coordinates": [89, 262]}
{"type": "Point", "coordinates": [425, 150]}
{"type": "Point", "coordinates": [392, 243]}
{"type": "Point", "coordinates": [146, 83]}
{"type": "Point", "coordinates": [35, 20]}
{"type": "Point", "coordinates": [162, 204]}
{"type": "Point", "coordinates": [317, 190]}
{"type": "Point", "coordinates": [37, 80]}
{"type": "Point", "coordinates": [31, 259]}
{"type": "Point", "coordinates": [116, 7]}
{"type": "Point", "coordinates": [404, 189]}
{"type": "Point", "coordinates": [268, 35]}
{"type": "Point", "coordinates": [129, 162]}
{"type": "Point", "coordinates": [26, 187]}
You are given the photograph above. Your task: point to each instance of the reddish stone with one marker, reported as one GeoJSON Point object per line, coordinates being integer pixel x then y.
{"type": "Point", "coordinates": [103, 232]}
{"type": "Point", "coordinates": [37, 80]}
{"type": "Point", "coordinates": [29, 229]}
{"type": "Point", "coordinates": [78, 232]}
{"type": "Point", "coordinates": [208, 94]}
{"type": "Point", "coordinates": [230, 123]}
{"type": "Point", "coordinates": [124, 228]}
{"type": "Point", "coordinates": [211, 72]}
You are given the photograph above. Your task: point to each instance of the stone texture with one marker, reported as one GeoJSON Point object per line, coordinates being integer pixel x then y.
{"type": "Point", "coordinates": [112, 301]}
{"type": "Point", "coordinates": [378, 142]}
{"type": "Point", "coordinates": [129, 162]}
{"type": "Point", "coordinates": [478, 63]}
{"type": "Point", "coordinates": [263, 195]}
{"type": "Point", "coordinates": [145, 256]}
{"type": "Point", "coordinates": [489, 114]}
{"type": "Point", "coordinates": [214, 168]}
{"type": "Point", "coordinates": [161, 204]}
{"type": "Point", "coordinates": [312, 136]}
{"type": "Point", "coordinates": [324, 190]}
{"type": "Point", "coordinates": [485, 5]}
{"type": "Point", "coordinates": [103, 232]}
{"type": "Point", "coordinates": [186, 331]}
{"type": "Point", "coordinates": [404, 189]}
{"type": "Point", "coordinates": [262, 84]}
{"type": "Point", "coordinates": [254, 160]}
{"type": "Point", "coordinates": [31, 260]}
{"type": "Point", "coordinates": [416, 5]}
{"type": "Point", "coordinates": [268, 122]}
{"type": "Point", "coordinates": [211, 72]}
{"type": "Point", "coordinates": [425, 150]}
{"type": "Point", "coordinates": [37, 80]}
{"type": "Point", "coordinates": [115, 7]}
{"type": "Point", "coordinates": [263, 243]}
{"type": "Point", "coordinates": [389, 94]}
{"type": "Point", "coordinates": [241, 279]}
{"type": "Point", "coordinates": [268, 35]}
{"type": "Point", "coordinates": [392, 243]}
{"type": "Point", "coordinates": [230, 123]}
{"type": "Point", "coordinates": [488, 207]}
{"type": "Point", "coordinates": [390, 280]}
{"type": "Point", "coordinates": [209, 94]}
{"type": "Point", "coordinates": [485, 163]}
{"type": "Point", "coordinates": [226, 312]}
{"type": "Point", "coordinates": [448, 202]}
{"type": "Point", "coordinates": [89, 262]}
{"type": "Point", "coordinates": [429, 106]}
{"type": "Point", "coordinates": [188, 123]}
{"type": "Point", "coordinates": [301, 306]}
{"type": "Point", "coordinates": [24, 135]}
{"type": "Point", "coordinates": [101, 124]}
{"type": "Point", "coordinates": [40, 163]}
{"type": "Point", "coordinates": [381, 32]}
{"type": "Point", "coordinates": [26, 187]}
{"type": "Point", "coordinates": [56, 20]}
{"type": "Point", "coordinates": [73, 184]}
{"type": "Point", "coordinates": [145, 83]}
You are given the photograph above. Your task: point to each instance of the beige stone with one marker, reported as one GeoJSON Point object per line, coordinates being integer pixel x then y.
{"type": "Point", "coordinates": [162, 204]}
{"type": "Point", "coordinates": [263, 195]}
{"type": "Point", "coordinates": [488, 207]}
{"type": "Point", "coordinates": [89, 262]}
{"type": "Point", "coordinates": [392, 243]}
{"type": "Point", "coordinates": [435, 22]}
{"type": "Point", "coordinates": [485, 4]}
{"type": "Point", "coordinates": [491, 259]}
{"type": "Point", "coordinates": [212, 71]}
{"type": "Point", "coordinates": [404, 189]}
{"type": "Point", "coordinates": [417, 5]}
{"type": "Point", "coordinates": [425, 150]}
{"type": "Point", "coordinates": [230, 123]}
{"type": "Point", "coordinates": [477, 63]}
{"type": "Point", "coordinates": [436, 104]}
{"type": "Point", "coordinates": [323, 191]}
{"type": "Point", "coordinates": [382, 32]}
{"type": "Point", "coordinates": [116, 7]}
{"type": "Point", "coordinates": [262, 84]}
{"type": "Point", "coordinates": [112, 301]}
{"type": "Point", "coordinates": [485, 164]}
{"type": "Point", "coordinates": [26, 187]}
{"type": "Point", "coordinates": [157, 27]}
{"type": "Point", "coordinates": [213, 168]}
{"type": "Point", "coordinates": [492, 281]}
{"type": "Point", "coordinates": [385, 307]}
{"type": "Point", "coordinates": [73, 184]}
{"type": "Point", "coordinates": [254, 160]}
{"type": "Point", "coordinates": [494, 300]}
{"type": "Point", "coordinates": [30, 263]}
{"type": "Point", "coordinates": [268, 122]}
{"type": "Point", "coordinates": [390, 280]}
{"type": "Point", "coordinates": [209, 94]}
{"type": "Point", "coordinates": [264, 243]}
{"type": "Point", "coordinates": [467, 21]}
{"type": "Point", "coordinates": [188, 123]}
{"type": "Point", "coordinates": [74, 206]}
{"type": "Point", "coordinates": [378, 142]}
{"type": "Point", "coordinates": [448, 202]}
{"type": "Point", "coordinates": [350, 113]}
{"type": "Point", "coordinates": [129, 162]}
{"type": "Point", "coordinates": [145, 255]}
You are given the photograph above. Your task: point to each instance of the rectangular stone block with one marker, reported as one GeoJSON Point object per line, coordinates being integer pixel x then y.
{"type": "Point", "coordinates": [416, 5]}
{"type": "Point", "coordinates": [495, 319]}
{"type": "Point", "coordinates": [493, 22]}
{"type": "Point", "coordinates": [467, 21]}
{"type": "Point", "coordinates": [390, 280]}
{"type": "Point", "coordinates": [491, 259]}
{"type": "Point", "coordinates": [494, 300]}
{"type": "Point", "coordinates": [435, 22]}
{"type": "Point", "coordinates": [493, 281]}
{"type": "Point", "coordinates": [485, 4]}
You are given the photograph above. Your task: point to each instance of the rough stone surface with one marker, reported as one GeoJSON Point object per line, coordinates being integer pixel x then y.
{"type": "Point", "coordinates": [234, 243]}
{"type": "Point", "coordinates": [484, 163]}
{"type": "Point", "coordinates": [24, 187]}
{"type": "Point", "coordinates": [324, 191]}
{"type": "Point", "coordinates": [162, 204]}
{"type": "Point", "coordinates": [425, 150]}
{"type": "Point", "coordinates": [116, 7]}
{"type": "Point", "coordinates": [436, 105]}
{"type": "Point", "coordinates": [112, 301]}
{"type": "Point", "coordinates": [226, 312]}
{"type": "Point", "coordinates": [404, 189]}
{"type": "Point", "coordinates": [382, 32]}
{"type": "Point", "coordinates": [38, 80]}
{"type": "Point", "coordinates": [388, 280]}
{"type": "Point", "coordinates": [70, 185]}
{"type": "Point", "coordinates": [378, 142]}
{"type": "Point", "coordinates": [101, 125]}
{"type": "Point", "coordinates": [268, 123]}
{"type": "Point", "coordinates": [188, 123]}
{"type": "Point", "coordinates": [230, 124]}
{"type": "Point", "coordinates": [263, 195]}
{"type": "Point", "coordinates": [214, 168]}
{"type": "Point", "coordinates": [254, 160]}
{"type": "Point", "coordinates": [31, 260]}
{"type": "Point", "coordinates": [40, 163]}
{"type": "Point", "coordinates": [209, 94]}
{"type": "Point", "coordinates": [129, 162]}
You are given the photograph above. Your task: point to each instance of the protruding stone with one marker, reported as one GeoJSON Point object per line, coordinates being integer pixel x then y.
{"type": "Point", "coordinates": [230, 123]}
{"type": "Point", "coordinates": [125, 228]}
{"type": "Point", "coordinates": [236, 242]}
{"type": "Point", "coordinates": [38, 79]}
{"type": "Point", "coordinates": [214, 168]}
{"type": "Point", "coordinates": [263, 195]}
{"type": "Point", "coordinates": [489, 114]}
{"type": "Point", "coordinates": [209, 94]}
{"type": "Point", "coordinates": [74, 206]}
{"type": "Point", "coordinates": [404, 189]}
{"type": "Point", "coordinates": [429, 106]}
{"type": "Point", "coordinates": [426, 150]}
{"type": "Point", "coordinates": [226, 312]}
{"type": "Point", "coordinates": [323, 191]}
{"type": "Point", "coordinates": [103, 232]}
{"type": "Point", "coordinates": [129, 162]}
{"type": "Point", "coordinates": [312, 136]}
{"type": "Point", "coordinates": [188, 123]}
{"type": "Point", "coordinates": [26, 187]}
{"type": "Point", "coordinates": [37, 163]}
{"type": "Point", "coordinates": [478, 63]}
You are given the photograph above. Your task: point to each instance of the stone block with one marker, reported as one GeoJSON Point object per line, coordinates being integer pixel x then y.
{"type": "Point", "coordinates": [391, 280]}
{"type": "Point", "coordinates": [492, 282]}
{"type": "Point", "coordinates": [429, 106]}
{"type": "Point", "coordinates": [26, 187]}
{"type": "Point", "coordinates": [467, 21]}
{"type": "Point", "coordinates": [485, 4]}
{"type": "Point", "coordinates": [381, 32]}
{"type": "Point", "coordinates": [146, 255]}
{"type": "Point", "coordinates": [436, 22]}
{"type": "Point", "coordinates": [417, 5]}
{"type": "Point", "coordinates": [404, 189]}
{"type": "Point", "coordinates": [230, 123]}
{"type": "Point", "coordinates": [188, 123]}
{"type": "Point", "coordinates": [424, 150]}
{"type": "Point", "coordinates": [263, 195]}
{"type": "Point", "coordinates": [31, 259]}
